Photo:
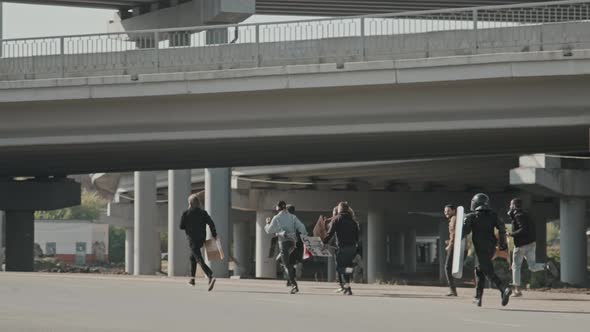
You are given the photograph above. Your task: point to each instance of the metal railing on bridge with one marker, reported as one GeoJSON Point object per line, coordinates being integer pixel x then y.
{"type": "Point", "coordinates": [450, 32]}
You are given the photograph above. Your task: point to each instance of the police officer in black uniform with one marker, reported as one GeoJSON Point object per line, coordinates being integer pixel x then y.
{"type": "Point", "coordinates": [482, 221]}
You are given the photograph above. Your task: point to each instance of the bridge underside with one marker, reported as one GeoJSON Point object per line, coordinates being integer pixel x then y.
{"type": "Point", "coordinates": [300, 7]}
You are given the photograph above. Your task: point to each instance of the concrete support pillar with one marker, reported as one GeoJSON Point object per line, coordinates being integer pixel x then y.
{"type": "Point", "coordinates": [145, 231]}
{"type": "Point", "coordinates": [218, 204]}
{"type": "Point", "coordinates": [179, 188]}
{"type": "Point", "coordinates": [266, 266]}
{"type": "Point", "coordinates": [410, 251]}
{"type": "Point", "coordinates": [432, 254]}
{"type": "Point", "coordinates": [242, 248]}
{"type": "Point", "coordinates": [129, 248]}
{"type": "Point", "coordinates": [397, 251]}
{"type": "Point", "coordinates": [20, 241]}
{"type": "Point", "coordinates": [376, 246]}
{"type": "Point", "coordinates": [573, 241]}
{"type": "Point", "coordinates": [443, 234]}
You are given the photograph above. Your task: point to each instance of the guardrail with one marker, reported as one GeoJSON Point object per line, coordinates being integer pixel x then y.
{"type": "Point", "coordinates": [479, 30]}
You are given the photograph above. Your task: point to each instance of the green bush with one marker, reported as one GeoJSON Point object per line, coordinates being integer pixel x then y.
{"type": "Point", "coordinates": [89, 209]}
{"type": "Point", "coordinates": [116, 244]}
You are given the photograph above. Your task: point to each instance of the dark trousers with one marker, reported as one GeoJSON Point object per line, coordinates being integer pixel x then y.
{"type": "Point", "coordinates": [449, 268]}
{"type": "Point", "coordinates": [484, 268]}
{"type": "Point", "coordinates": [286, 247]}
{"type": "Point", "coordinates": [197, 257]}
{"type": "Point", "coordinates": [344, 257]}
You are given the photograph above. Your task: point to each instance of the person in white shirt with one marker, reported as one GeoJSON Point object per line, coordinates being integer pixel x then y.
{"type": "Point", "coordinates": [286, 226]}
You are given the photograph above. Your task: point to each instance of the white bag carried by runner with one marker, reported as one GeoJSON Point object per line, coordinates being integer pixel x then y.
{"type": "Point", "coordinates": [459, 245]}
{"type": "Point", "coordinates": [214, 249]}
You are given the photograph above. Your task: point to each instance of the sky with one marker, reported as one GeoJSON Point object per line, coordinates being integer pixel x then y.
{"type": "Point", "coordinates": [23, 21]}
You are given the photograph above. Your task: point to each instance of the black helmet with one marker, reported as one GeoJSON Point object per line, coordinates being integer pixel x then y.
{"type": "Point", "coordinates": [480, 202]}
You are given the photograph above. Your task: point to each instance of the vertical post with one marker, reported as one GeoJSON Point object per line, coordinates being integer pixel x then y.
{"type": "Point", "coordinates": [179, 188]}
{"type": "Point", "coordinates": [145, 231]}
{"type": "Point", "coordinates": [443, 235]}
{"type": "Point", "coordinates": [266, 266]}
{"type": "Point", "coordinates": [573, 241]}
{"type": "Point", "coordinates": [218, 204]}
{"type": "Point", "coordinates": [363, 39]}
{"type": "Point", "coordinates": [241, 230]}
{"type": "Point", "coordinates": [20, 241]}
{"type": "Point", "coordinates": [475, 31]}
{"type": "Point", "coordinates": [129, 246]}
{"type": "Point", "coordinates": [62, 56]}
{"type": "Point", "coordinates": [410, 251]}
{"type": "Point", "coordinates": [157, 50]}
{"type": "Point", "coordinates": [258, 55]}
{"type": "Point", "coordinates": [376, 245]}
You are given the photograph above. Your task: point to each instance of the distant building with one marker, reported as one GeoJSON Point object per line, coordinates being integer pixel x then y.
{"type": "Point", "coordinates": [77, 242]}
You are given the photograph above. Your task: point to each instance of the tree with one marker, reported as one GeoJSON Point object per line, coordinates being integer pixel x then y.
{"type": "Point", "coordinates": [89, 209]}
{"type": "Point", "coordinates": [116, 244]}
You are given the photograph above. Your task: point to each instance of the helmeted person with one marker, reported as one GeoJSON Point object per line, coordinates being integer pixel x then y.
{"type": "Point", "coordinates": [482, 222]}
{"type": "Point", "coordinates": [286, 226]}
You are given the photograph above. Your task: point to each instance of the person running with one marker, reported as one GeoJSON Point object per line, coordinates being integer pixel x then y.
{"type": "Point", "coordinates": [286, 226]}
{"type": "Point", "coordinates": [525, 237]}
{"type": "Point", "coordinates": [346, 230]}
{"type": "Point", "coordinates": [450, 213]}
{"type": "Point", "coordinates": [482, 221]}
{"type": "Point", "coordinates": [194, 222]}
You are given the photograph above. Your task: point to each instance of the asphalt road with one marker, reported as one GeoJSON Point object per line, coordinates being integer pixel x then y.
{"type": "Point", "coordinates": [57, 302]}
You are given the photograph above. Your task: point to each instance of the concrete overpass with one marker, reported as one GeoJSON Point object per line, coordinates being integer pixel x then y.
{"type": "Point", "coordinates": [353, 108]}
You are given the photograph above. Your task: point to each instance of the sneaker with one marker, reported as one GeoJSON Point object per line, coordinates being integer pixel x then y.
{"type": "Point", "coordinates": [191, 282]}
{"type": "Point", "coordinates": [477, 301]}
{"type": "Point", "coordinates": [211, 283]}
{"type": "Point", "coordinates": [340, 290]}
{"type": "Point", "coordinates": [348, 291]}
{"type": "Point", "coordinates": [289, 283]}
{"type": "Point", "coordinates": [295, 290]}
{"type": "Point", "coordinates": [506, 296]}
{"type": "Point", "coordinates": [452, 292]}
{"type": "Point", "coordinates": [517, 294]}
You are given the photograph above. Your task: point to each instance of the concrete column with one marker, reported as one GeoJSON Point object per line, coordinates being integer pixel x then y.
{"type": "Point", "coordinates": [397, 251]}
{"type": "Point", "coordinates": [218, 204]}
{"type": "Point", "coordinates": [443, 234]}
{"type": "Point", "coordinates": [573, 241]}
{"type": "Point", "coordinates": [20, 241]}
{"type": "Point", "coordinates": [410, 251]}
{"type": "Point", "coordinates": [145, 211]}
{"type": "Point", "coordinates": [242, 248]}
{"type": "Point", "coordinates": [376, 246]}
{"type": "Point", "coordinates": [129, 247]}
{"type": "Point", "coordinates": [179, 188]}
{"type": "Point", "coordinates": [266, 267]}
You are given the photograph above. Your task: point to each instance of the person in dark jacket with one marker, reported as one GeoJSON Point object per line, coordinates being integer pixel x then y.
{"type": "Point", "coordinates": [482, 222]}
{"type": "Point", "coordinates": [525, 237]}
{"type": "Point", "coordinates": [194, 222]}
{"type": "Point", "coordinates": [346, 230]}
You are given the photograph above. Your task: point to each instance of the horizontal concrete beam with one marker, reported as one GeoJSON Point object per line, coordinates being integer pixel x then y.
{"type": "Point", "coordinates": [552, 182]}
{"type": "Point", "coordinates": [39, 195]}
{"type": "Point", "coordinates": [539, 160]}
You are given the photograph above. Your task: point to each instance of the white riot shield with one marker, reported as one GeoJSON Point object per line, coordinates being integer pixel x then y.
{"type": "Point", "coordinates": [459, 245]}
